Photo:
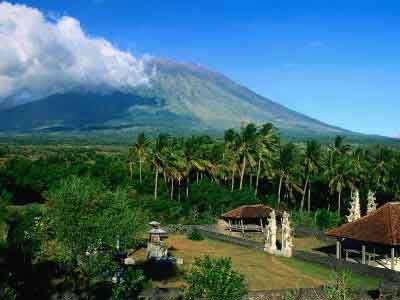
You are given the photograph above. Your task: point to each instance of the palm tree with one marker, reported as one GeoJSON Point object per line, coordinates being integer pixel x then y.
{"type": "Point", "coordinates": [130, 162]}
{"type": "Point", "coordinates": [140, 150]}
{"type": "Point", "coordinates": [286, 163]}
{"type": "Point", "coordinates": [265, 147]}
{"type": "Point", "coordinates": [161, 142]}
{"type": "Point", "coordinates": [338, 172]}
{"type": "Point", "coordinates": [230, 156]}
{"type": "Point", "coordinates": [245, 146]}
{"type": "Point", "coordinates": [381, 164]}
{"type": "Point", "coordinates": [311, 164]}
{"type": "Point", "coordinates": [191, 160]}
{"type": "Point", "coordinates": [357, 160]}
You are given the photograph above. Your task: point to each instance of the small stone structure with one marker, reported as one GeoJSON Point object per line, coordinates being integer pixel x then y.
{"type": "Point", "coordinates": [287, 236]}
{"type": "Point", "coordinates": [156, 247]}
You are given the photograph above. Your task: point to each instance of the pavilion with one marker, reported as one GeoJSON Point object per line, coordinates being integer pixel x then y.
{"type": "Point", "coordinates": [248, 218]}
{"type": "Point", "coordinates": [373, 239]}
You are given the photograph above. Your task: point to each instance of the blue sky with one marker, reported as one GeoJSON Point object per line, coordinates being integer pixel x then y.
{"type": "Point", "coordinates": [337, 61]}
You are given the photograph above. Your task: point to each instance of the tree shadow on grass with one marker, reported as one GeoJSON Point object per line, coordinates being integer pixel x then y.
{"type": "Point", "coordinates": [328, 250]}
{"type": "Point", "coordinates": [159, 270]}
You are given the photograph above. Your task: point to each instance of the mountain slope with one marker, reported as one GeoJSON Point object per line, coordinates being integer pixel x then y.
{"type": "Point", "coordinates": [181, 97]}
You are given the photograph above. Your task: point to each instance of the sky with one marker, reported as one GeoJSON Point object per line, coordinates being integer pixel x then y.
{"type": "Point", "coordinates": [337, 61]}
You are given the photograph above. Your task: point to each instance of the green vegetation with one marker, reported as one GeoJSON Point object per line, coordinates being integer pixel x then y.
{"type": "Point", "coordinates": [320, 219]}
{"type": "Point", "coordinates": [341, 289]}
{"type": "Point", "coordinates": [214, 279]}
{"type": "Point", "coordinates": [195, 235]}
{"type": "Point", "coordinates": [72, 210]}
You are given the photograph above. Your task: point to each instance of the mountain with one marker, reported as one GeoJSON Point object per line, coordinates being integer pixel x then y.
{"type": "Point", "coordinates": [180, 98]}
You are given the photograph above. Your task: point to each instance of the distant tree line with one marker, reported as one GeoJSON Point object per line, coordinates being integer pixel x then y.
{"type": "Point", "coordinates": [255, 158]}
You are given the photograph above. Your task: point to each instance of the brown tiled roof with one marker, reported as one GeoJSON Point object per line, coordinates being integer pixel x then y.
{"type": "Point", "coordinates": [249, 212]}
{"type": "Point", "coordinates": [381, 226]}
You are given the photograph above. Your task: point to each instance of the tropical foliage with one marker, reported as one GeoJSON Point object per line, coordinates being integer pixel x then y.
{"type": "Point", "coordinates": [214, 279]}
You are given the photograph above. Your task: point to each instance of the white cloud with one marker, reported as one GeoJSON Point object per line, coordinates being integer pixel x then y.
{"type": "Point", "coordinates": [40, 56]}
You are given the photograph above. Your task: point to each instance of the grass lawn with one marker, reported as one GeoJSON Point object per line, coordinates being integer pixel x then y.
{"type": "Point", "coordinates": [261, 270]}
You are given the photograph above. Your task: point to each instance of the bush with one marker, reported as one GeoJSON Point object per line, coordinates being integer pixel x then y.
{"type": "Point", "coordinates": [304, 218]}
{"type": "Point", "coordinates": [321, 219]}
{"type": "Point", "coordinates": [214, 279]}
{"type": "Point", "coordinates": [7, 292]}
{"type": "Point", "coordinates": [340, 289]}
{"type": "Point", "coordinates": [325, 219]}
{"type": "Point", "coordinates": [195, 235]}
{"type": "Point", "coordinates": [133, 282]}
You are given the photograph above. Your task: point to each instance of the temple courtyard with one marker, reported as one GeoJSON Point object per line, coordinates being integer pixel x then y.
{"type": "Point", "coordinates": [261, 270]}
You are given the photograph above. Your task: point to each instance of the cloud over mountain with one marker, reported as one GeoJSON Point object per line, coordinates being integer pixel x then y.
{"type": "Point", "coordinates": [40, 57]}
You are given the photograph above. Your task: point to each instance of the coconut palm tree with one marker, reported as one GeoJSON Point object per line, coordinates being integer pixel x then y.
{"type": "Point", "coordinates": [230, 157]}
{"type": "Point", "coordinates": [160, 143]}
{"type": "Point", "coordinates": [338, 172]}
{"type": "Point", "coordinates": [265, 147]}
{"type": "Point", "coordinates": [381, 165]}
{"type": "Point", "coordinates": [192, 161]}
{"type": "Point", "coordinates": [245, 146]}
{"type": "Point", "coordinates": [286, 164]}
{"type": "Point", "coordinates": [311, 165]}
{"type": "Point", "coordinates": [140, 149]}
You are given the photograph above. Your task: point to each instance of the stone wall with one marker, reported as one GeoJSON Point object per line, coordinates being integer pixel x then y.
{"type": "Point", "coordinates": [210, 233]}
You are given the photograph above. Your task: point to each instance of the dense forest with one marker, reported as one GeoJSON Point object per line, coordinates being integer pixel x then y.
{"type": "Point", "coordinates": [113, 191]}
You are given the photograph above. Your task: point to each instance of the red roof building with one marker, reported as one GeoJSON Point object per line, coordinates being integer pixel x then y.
{"type": "Point", "coordinates": [249, 212]}
{"type": "Point", "coordinates": [377, 230]}
{"type": "Point", "coordinates": [248, 217]}
{"type": "Point", "coordinates": [380, 227]}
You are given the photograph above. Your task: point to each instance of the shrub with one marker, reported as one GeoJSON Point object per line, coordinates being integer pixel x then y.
{"type": "Point", "coordinates": [195, 235]}
{"type": "Point", "coordinates": [214, 279]}
{"type": "Point", "coordinates": [133, 282]}
{"type": "Point", "coordinates": [341, 289]}
{"type": "Point", "coordinates": [321, 219]}
{"type": "Point", "coordinates": [7, 292]}
{"type": "Point", "coordinates": [325, 219]}
{"type": "Point", "coordinates": [303, 218]}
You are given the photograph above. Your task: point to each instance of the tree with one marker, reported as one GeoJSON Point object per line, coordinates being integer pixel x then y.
{"type": "Point", "coordinates": [311, 165]}
{"type": "Point", "coordinates": [86, 218]}
{"type": "Point", "coordinates": [192, 161]}
{"type": "Point", "coordinates": [4, 201]}
{"type": "Point", "coordinates": [231, 156]}
{"type": "Point", "coordinates": [160, 144]}
{"type": "Point", "coordinates": [214, 279]}
{"type": "Point", "coordinates": [265, 147]}
{"type": "Point", "coordinates": [140, 151]}
{"type": "Point", "coordinates": [245, 146]}
{"type": "Point", "coordinates": [286, 164]}
{"type": "Point", "coordinates": [338, 175]}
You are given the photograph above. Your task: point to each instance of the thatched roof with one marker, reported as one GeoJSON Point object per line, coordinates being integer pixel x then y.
{"type": "Point", "coordinates": [249, 212]}
{"type": "Point", "coordinates": [379, 227]}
